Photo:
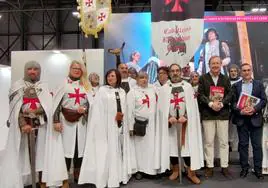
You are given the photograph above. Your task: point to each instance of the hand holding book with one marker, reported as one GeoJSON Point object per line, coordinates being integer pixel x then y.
{"type": "Point", "coordinates": [216, 96]}
{"type": "Point", "coordinates": [246, 103]}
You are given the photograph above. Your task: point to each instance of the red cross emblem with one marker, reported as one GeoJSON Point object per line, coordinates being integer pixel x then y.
{"type": "Point", "coordinates": [77, 95]}
{"type": "Point", "coordinates": [102, 16]}
{"type": "Point", "coordinates": [88, 3]}
{"type": "Point", "coordinates": [176, 100]}
{"type": "Point", "coordinates": [32, 102]}
{"type": "Point", "coordinates": [176, 5]}
{"type": "Point", "coordinates": [146, 100]}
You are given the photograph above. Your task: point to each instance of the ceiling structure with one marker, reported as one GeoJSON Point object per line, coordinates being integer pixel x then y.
{"type": "Point", "coordinates": [122, 5]}
{"type": "Point", "coordinates": [49, 24]}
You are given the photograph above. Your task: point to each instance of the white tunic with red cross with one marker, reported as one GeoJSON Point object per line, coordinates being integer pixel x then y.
{"type": "Point", "coordinates": [177, 102]}
{"type": "Point", "coordinates": [141, 104]}
{"type": "Point", "coordinates": [29, 103]}
{"type": "Point", "coordinates": [75, 96]}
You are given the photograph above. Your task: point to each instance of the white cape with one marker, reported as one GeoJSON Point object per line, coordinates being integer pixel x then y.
{"type": "Point", "coordinates": [12, 163]}
{"type": "Point", "coordinates": [101, 163]}
{"type": "Point", "coordinates": [194, 126]}
{"type": "Point", "coordinates": [144, 149]}
{"type": "Point", "coordinates": [69, 153]}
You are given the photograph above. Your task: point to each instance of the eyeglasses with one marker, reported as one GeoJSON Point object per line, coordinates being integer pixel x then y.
{"type": "Point", "coordinates": [79, 69]}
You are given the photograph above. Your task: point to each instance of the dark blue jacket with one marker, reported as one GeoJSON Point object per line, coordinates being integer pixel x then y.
{"type": "Point", "coordinates": [257, 91]}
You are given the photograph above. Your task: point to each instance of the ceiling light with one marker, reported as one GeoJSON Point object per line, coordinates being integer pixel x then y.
{"type": "Point", "coordinates": [254, 9]}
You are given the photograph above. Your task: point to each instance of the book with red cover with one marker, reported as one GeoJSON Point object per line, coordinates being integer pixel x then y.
{"type": "Point", "coordinates": [246, 100]}
{"type": "Point", "coordinates": [216, 93]}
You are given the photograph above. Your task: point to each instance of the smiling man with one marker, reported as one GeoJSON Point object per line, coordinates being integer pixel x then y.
{"type": "Point", "coordinates": [214, 98]}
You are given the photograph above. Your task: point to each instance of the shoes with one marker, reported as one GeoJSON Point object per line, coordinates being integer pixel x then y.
{"type": "Point", "coordinates": [226, 173]}
{"type": "Point", "coordinates": [243, 173]}
{"type": "Point", "coordinates": [138, 176]}
{"type": "Point", "coordinates": [208, 172]}
{"type": "Point", "coordinates": [42, 185]}
{"type": "Point", "coordinates": [65, 184]}
{"type": "Point", "coordinates": [175, 173]}
{"type": "Point", "coordinates": [192, 176]}
{"type": "Point", "coordinates": [259, 175]}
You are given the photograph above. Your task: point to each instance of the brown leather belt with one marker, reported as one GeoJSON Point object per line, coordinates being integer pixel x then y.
{"type": "Point", "coordinates": [71, 115]}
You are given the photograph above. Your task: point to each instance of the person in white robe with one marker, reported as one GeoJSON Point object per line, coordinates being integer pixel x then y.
{"type": "Point", "coordinates": [179, 108]}
{"type": "Point", "coordinates": [141, 105]}
{"type": "Point", "coordinates": [71, 107]}
{"type": "Point", "coordinates": [162, 78]}
{"type": "Point", "coordinates": [194, 81]}
{"type": "Point", "coordinates": [132, 73]}
{"type": "Point", "coordinates": [265, 139]}
{"type": "Point", "coordinates": [126, 81]}
{"type": "Point", "coordinates": [94, 80]}
{"type": "Point", "coordinates": [31, 119]}
{"type": "Point", "coordinates": [106, 161]}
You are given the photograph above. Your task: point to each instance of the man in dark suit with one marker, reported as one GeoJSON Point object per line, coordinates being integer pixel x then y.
{"type": "Point", "coordinates": [249, 120]}
{"type": "Point", "coordinates": [215, 114]}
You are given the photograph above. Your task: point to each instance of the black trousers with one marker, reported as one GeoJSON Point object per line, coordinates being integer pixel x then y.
{"type": "Point", "coordinates": [245, 132]}
{"type": "Point", "coordinates": [77, 161]}
{"type": "Point", "coordinates": [175, 161]}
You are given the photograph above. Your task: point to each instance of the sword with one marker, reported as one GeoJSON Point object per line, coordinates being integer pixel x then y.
{"type": "Point", "coordinates": [31, 138]}
{"type": "Point", "coordinates": [179, 130]}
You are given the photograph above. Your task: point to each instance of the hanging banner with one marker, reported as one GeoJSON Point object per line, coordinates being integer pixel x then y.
{"type": "Point", "coordinates": [177, 29]}
{"type": "Point", "coordinates": [94, 14]}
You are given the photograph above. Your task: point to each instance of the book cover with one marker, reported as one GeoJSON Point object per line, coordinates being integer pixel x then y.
{"type": "Point", "coordinates": [216, 93]}
{"type": "Point", "coordinates": [246, 100]}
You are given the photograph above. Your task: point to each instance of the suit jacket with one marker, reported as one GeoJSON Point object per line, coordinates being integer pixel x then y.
{"type": "Point", "coordinates": [257, 91]}
{"type": "Point", "coordinates": [207, 113]}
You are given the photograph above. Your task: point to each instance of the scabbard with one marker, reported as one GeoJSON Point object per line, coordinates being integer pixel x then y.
{"type": "Point", "coordinates": [179, 141]}
{"type": "Point", "coordinates": [31, 137]}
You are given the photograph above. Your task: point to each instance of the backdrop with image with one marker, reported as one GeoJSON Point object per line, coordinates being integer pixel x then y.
{"type": "Point", "coordinates": [242, 32]}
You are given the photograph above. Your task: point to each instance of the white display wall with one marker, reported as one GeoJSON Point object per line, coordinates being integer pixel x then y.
{"type": "Point", "coordinates": [5, 79]}
{"type": "Point", "coordinates": [55, 67]}
{"type": "Point", "coordinates": [55, 64]}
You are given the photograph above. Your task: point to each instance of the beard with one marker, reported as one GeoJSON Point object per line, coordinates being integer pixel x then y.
{"type": "Point", "coordinates": [175, 79]}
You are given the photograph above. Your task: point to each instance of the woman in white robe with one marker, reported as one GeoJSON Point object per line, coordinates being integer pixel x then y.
{"type": "Point", "coordinates": [106, 160]}
{"type": "Point", "coordinates": [141, 104]}
{"type": "Point", "coordinates": [71, 106]}
{"type": "Point", "coordinates": [162, 78]}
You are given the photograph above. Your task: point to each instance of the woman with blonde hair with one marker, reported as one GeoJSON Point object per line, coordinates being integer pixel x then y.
{"type": "Point", "coordinates": [71, 105]}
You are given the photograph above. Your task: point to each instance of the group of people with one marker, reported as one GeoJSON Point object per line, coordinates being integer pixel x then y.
{"type": "Point", "coordinates": [129, 127]}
